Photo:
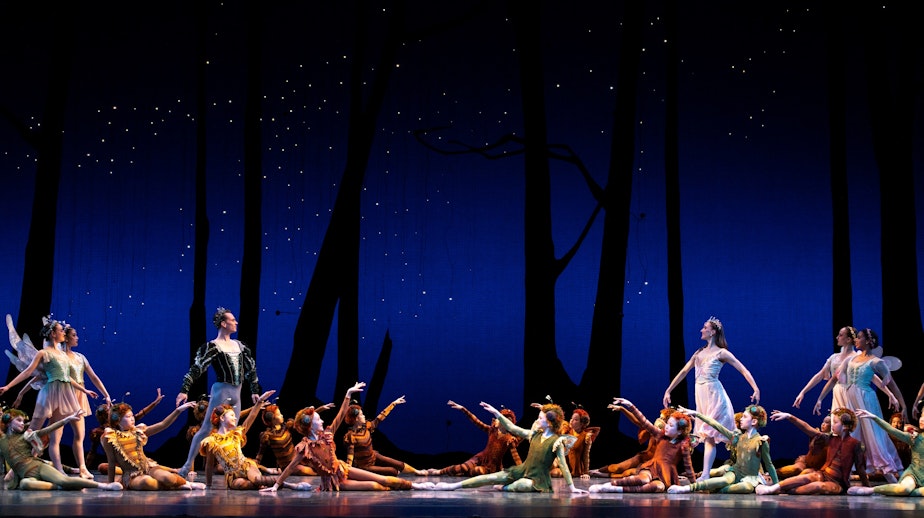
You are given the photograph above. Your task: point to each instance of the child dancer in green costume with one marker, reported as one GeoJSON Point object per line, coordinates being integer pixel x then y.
{"type": "Point", "coordinates": [911, 481]}
{"type": "Point", "coordinates": [751, 450]}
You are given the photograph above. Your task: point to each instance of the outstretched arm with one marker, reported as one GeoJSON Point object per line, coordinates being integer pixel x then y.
{"type": "Point", "coordinates": [677, 379]}
{"type": "Point", "coordinates": [708, 420]}
{"type": "Point", "coordinates": [730, 359]}
{"type": "Point", "coordinates": [631, 416]}
{"type": "Point", "coordinates": [96, 381]}
{"type": "Point", "coordinates": [387, 410]}
{"type": "Point", "coordinates": [806, 428]}
{"type": "Point", "coordinates": [824, 392]}
{"type": "Point", "coordinates": [505, 423]}
{"type": "Point", "coordinates": [471, 417]}
{"type": "Point", "coordinates": [171, 417]}
{"type": "Point", "coordinates": [916, 412]}
{"type": "Point", "coordinates": [816, 379]}
{"type": "Point", "coordinates": [891, 430]}
{"type": "Point", "coordinates": [25, 373]}
{"type": "Point", "coordinates": [341, 414]}
{"type": "Point", "coordinates": [25, 389]}
{"type": "Point", "coordinates": [58, 424]}
{"type": "Point", "coordinates": [147, 410]}
{"type": "Point", "coordinates": [637, 416]}
{"type": "Point", "coordinates": [255, 410]}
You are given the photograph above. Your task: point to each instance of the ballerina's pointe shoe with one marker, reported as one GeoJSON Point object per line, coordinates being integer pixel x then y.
{"type": "Point", "coordinates": [110, 486]}
{"type": "Point", "coordinates": [85, 473]}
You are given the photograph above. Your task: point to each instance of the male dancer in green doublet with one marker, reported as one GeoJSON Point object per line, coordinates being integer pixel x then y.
{"type": "Point", "coordinates": [752, 451]}
{"type": "Point", "coordinates": [545, 445]}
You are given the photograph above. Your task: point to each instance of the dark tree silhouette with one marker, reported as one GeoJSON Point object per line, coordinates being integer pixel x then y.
{"type": "Point", "coordinates": [677, 356]}
{"type": "Point", "coordinates": [842, 289]}
{"type": "Point", "coordinates": [540, 357]}
{"type": "Point", "coordinates": [602, 377]}
{"type": "Point", "coordinates": [47, 140]}
{"type": "Point", "coordinates": [892, 66]}
{"type": "Point", "coordinates": [251, 263]}
{"type": "Point", "coordinates": [544, 373]}
{"type": "Point", "coordinates": [334, 284]}
{"type": "Point", "coordinates": [197, 314]}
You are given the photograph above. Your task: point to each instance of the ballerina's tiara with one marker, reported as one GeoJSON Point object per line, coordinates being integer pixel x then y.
{"type": "Point", "coordinates": [716, 322]}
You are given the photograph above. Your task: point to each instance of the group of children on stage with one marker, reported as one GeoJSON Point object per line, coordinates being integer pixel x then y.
{"type": "Point", "coordinates": [851, 441]}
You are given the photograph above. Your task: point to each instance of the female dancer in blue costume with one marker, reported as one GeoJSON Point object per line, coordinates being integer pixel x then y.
{"type": "Point", "coordinates": [860, 372]}
{"type": "Point", "coordinates": [711, 398]}
{"type": "Point", "coordinates": [233, 363]}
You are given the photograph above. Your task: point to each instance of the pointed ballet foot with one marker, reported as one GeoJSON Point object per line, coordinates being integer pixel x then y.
{"type": "Point", "coordinates": [859, 490]}
{"type": "Point", "coordinates": [85, 473]}
{"type": "Point", "coordinates": [678, 489]}
{"type": "Point", "coordinates": [110, 486]}
{"type": "Point", "coordinates": [604, 488]}
{"type": "Point", "coordinates": [763, 489]}
{"type": "Point", "coordinates": [192, 486]}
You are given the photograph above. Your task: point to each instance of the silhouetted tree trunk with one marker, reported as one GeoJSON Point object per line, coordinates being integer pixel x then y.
{"type": "Point", "coordinates": [251, 264]}
{"type": "Point", "coordinates": [47, 140]}
{"type": "Point", "coordinates": [603, 375]}
{"type": "Point", "coordinates": [336, 274]}
{"type": "Point", "coordinates": [540, 357]}
{"type": "Point", "coordinates": [891, 68]}
{"type": "Point", "coordinates": [197, 314]}
{"type": "Point", "coordinates": [677, 355]}
{"type": "Point", "coordinates": [842, 289]}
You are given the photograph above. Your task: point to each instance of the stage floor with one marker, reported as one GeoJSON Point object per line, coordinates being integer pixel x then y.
{"type": "Point", "coordinates": [483, 502]}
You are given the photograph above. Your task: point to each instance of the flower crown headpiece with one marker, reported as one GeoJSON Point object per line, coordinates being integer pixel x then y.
{"type": "Point", "coordinates": [715, 322]}
{"type": "Point", "coordinates": [48, 324]}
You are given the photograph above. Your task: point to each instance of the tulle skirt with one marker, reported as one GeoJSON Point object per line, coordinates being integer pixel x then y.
{"type": "Point", "coordinates": [58, 398]}
{"type": "Point", "coordinates": [713, 401]}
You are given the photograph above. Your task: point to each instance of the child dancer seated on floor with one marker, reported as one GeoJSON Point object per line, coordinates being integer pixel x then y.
{"type": "Point", "coordinates": [491, 458]}
{"type": "Point", "coordinates": [358, 439]}
{"type": "Point", "coordinates": [843, 453]}
{"type": "Point", "coordinates": [124, 441]}
{"type": "Point", "coordinates": [546, 444]}
{"type": "Point", "coordinates": [752, 451]}
{"type": "Point", "coordinates": [672, 446]}
{"type": "Point", "coordinates": [318, 451]}
{"type": "Point", "coordinates": [28, 471]}
{"type": "Point", "coordinates": [911, 481]}
{"type": "Point", "coordinates": [224, 445]}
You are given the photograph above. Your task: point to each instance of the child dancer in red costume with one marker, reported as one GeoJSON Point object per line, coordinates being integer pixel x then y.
{"type": "Point", "coordinates": [657, 474]}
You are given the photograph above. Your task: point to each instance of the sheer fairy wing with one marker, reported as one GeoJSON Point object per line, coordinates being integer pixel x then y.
{"type": "Point", "coordinates": [893, 362]}
{"type": "Point", "coordinates": [25, 351]}
{"type": "Point", "coordinates": [568, 442]}
{"type": "Point", "coordinates": [23, 348]}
